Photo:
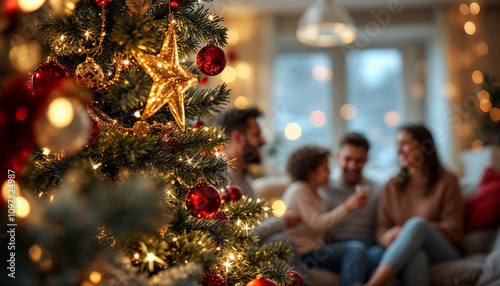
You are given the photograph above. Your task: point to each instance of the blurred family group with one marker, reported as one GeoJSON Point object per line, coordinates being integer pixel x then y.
{"type": "Point", "coordinates": [350, 225]}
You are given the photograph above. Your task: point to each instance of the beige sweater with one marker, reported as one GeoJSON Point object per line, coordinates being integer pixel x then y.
{"type": "Point", "coordinates": [309, 234]}
{"type": "Point", "coordinates": [442, 208]}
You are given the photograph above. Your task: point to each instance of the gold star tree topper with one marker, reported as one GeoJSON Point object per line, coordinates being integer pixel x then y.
{"type": "Point", "coordinates": [170, 79]}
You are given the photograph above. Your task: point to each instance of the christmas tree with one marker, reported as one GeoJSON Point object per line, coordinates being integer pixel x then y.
{"type": "Point", "coordinates": [489, 104]}
{"type": "Point", "coordinates": [121, 190]}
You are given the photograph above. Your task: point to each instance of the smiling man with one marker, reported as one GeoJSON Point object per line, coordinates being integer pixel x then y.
{"type": "Point", "coordinates": [358, 225]}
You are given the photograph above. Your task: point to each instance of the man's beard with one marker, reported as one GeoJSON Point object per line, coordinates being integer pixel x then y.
{"type": "Point", "coordinates": [349, 181]}
{"type": "Point", "coordinates": [251, 154]}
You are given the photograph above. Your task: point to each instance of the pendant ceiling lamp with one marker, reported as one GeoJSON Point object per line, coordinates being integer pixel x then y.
{"type": "Point", "coordinates": [326, 24]}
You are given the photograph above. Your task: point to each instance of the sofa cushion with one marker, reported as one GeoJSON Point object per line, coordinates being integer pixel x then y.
{"type": "Point", "coordinates": [482, 211]}
{"type": "Point", "coordinates": [491, 270]}
{"type": "Point", "coordinates": [464, 271]}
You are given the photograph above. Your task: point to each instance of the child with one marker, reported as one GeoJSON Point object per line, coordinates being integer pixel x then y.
{"type": "Point", "coordinates": [308, 167]}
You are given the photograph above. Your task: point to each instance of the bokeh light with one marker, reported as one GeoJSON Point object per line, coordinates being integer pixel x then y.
{"type": "Point", "coordinates": [229, 74]}
{"type": "Point", "coordinates": [241, 102]}
{"type": "Point", "coordinates": [321, 73]}
{"type": "Point", "coordinates": [485, 105]}
{"type": "Point", "coordinates": [470, 27]}
{"type": "Point", "coordinates": [22, 207]}
{"type": "Point", "coordinates": [348, 111]}
{"type": "Point", "coordinates": [474, 8]}
{"type": "Point", "coordinates": [243, 70]}
{"type": "Point", "coordinates": [392, 118]}
{"type": "Point", "coordinates": [278, 208]}
{"type": "Point", "coordinates": [60, 112]}
{"type": "Point", "coordinates": [477, 77]}
{"type": "Point", "coordinates": [483, 94]}
{"type": "Point", "coordinates": [317, 118]}
{"type": "Point", "coordinates": [30, 5]}
{"type": "Point", "coordinates": [495, 114]}
{"type": "Point", "coordinates": [293, 131]}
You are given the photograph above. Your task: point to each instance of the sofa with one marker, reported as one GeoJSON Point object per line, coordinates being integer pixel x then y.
{"type": "Point", "coordinates": [480, 265]}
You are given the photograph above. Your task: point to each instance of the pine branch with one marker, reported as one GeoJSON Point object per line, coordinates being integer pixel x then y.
{"type": "Point", "coordinates": [246, 210]}
{"type": "Point", "coordinates": [200, 103]}
{"type": "Point", "coordinates": [193, 25]}
{"type": "Point", "coordinates": [128, 94]}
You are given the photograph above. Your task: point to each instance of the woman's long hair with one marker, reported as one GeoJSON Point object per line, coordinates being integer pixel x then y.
{"type": "Point", "coordinates": [431, 166]}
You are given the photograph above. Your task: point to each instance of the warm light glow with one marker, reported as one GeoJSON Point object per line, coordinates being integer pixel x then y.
{"type": "Point", "coordinates": [233, 37]}
{"type": "Point", "coordinates": [95, 277]}
{"type": "Point", "coordinates": [243, 70]}
{"type": "Point", "coordinates": [474, 8]}
{"type": "Point", "coordinates": [45, 151]}
{"type": "Point", "coordinates": [470, 27]}
{"type": "Point", "coordinates": [477, 77]}
{"type": "Point", "coordinates": [482, 49]}
{"type": "Point", "coordinates": [278, 208]}
{"type": "Point", "coordinates": [293, 131]}
{"type": "Point", "coordinates": [229, 74]}
{"type": "Point", "coordinates": [150, 257]}
{"type": "Point", "coordinates": [25, 57]}
{"type": "Point", "coordinates": [70, 5]}
{"type": "Point", "coordinates": [348, 111]}
{"type": "Point", "coordinates": [22, 207]}
{"type": "Point", "coordinates": [231, 256]}
{"type": "Point", "coordinates": [477, 145]}
{"type": "Point", "coordinates": [495, 114]}
{"type": "Point", "coordinates": [136, 255]}
{"type": "Point", "coordinates": [485, 105]}
{"type": "Point", "coordinates": [464, 9]}
{"type": "Point", "coordinates": [392, 119]}
{"type": "Point", "coordinates": [317, 118]}
{"type": "Point", "coordinates": [30, 5]}
{"type": "Point", "coordinates": [449, 90]}
{"type": "Point", "coordinates": [137, 114]}
{"type": "Point", "coordinates": [483, 94]}
{"type": "Point", "coordinates": [6, 188]}
{"type": "Point", "coordinates": [241, 102]}
{"type": "Point", "coordinates": [60, 112]}
{"type": "Point", "coordinates": [35, 253]}
{"type": "Point", "coordinates": [228, 264]}
{"type": "Point", "coordinates": [321, 73]}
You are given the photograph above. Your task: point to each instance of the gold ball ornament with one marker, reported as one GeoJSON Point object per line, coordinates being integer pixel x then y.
{"type": "Point", "coordinates": [140, 129]}
{"type": "Point", "coordinates": [89, 74]}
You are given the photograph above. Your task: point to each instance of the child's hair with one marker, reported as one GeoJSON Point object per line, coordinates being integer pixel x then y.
{"type": "Point", "coordinates": [305, 159]}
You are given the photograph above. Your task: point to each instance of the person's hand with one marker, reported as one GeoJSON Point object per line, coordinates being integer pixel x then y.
{"type": "Point", "coordinates": [291, 219]}
{"type": "Point", "coordinates": [355, 201]}
{"type": "Point", "coordinates": [389, 236]}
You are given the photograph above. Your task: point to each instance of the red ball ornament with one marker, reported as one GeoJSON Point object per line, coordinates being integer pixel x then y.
{"type": "Point", "coordinates": [214, 279]}
{"type": "Point", "coordinates": [261, 281]}
{"type": "Point", "coordinates": [221, 216]}
{"type": "Point", "coordinates": [233, 193]}
{"type": "Point", "coordinates": [174, 144]}
{"type": "Point", "coordinates": [211, 60]}
{"type": "Point", "coordinates": [198, 124]}
{"type": "Point", "coordinates": [203, 200]}
{"type": "Point", "coordinates": [176, 3]}
{"type": "Point", "coordinates": [19, 108]}
{"type": "Point", "coordinates": [297, 278]}
{"type": "Point", "coordinates": [102, 2]}
{"type": "Point", "coordinates": [203, 80]}
{"type": "Point", "coordinates": [47, 77]}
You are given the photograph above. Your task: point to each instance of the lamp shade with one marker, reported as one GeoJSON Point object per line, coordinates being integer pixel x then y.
{"type": "Point", "coordinates": [326, 24]}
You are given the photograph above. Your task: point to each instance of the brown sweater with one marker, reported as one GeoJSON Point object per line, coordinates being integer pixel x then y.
{"type": "Point", "coordinates": [442, 207]}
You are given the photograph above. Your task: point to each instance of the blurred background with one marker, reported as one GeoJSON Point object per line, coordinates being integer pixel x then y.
{"type": "Point", "coordinates": [428, 61]}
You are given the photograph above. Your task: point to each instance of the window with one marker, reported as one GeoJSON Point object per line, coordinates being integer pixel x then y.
{"type": "Point", "coordinates": [302, 103]}
{"type": "Point", "coordinates": [375, 98]}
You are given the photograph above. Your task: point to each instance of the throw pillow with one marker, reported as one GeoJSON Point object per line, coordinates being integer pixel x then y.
{"type": "Point", "coordinates": [482, 211]}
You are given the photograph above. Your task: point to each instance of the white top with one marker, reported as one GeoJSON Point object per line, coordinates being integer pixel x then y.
{"type": "Point", "coordinates": [309, 233]}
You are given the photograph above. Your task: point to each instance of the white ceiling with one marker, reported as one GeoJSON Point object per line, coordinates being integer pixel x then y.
{"type": "Point", "coordinates": [231, 8]}
{"type": "Point", "coordinates": [249, 8]}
